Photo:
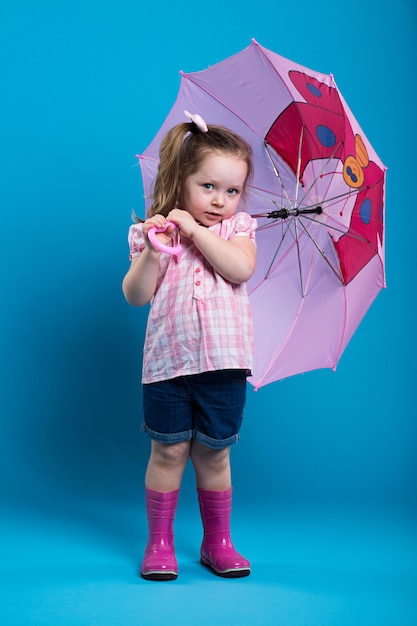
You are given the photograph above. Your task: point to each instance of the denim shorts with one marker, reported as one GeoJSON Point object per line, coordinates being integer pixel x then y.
{"type": "Point", "coordinates": [207, 407]}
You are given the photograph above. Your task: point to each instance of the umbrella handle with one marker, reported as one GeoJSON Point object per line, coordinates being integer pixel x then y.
{"type": "Point", "coordinates": [174, 250]}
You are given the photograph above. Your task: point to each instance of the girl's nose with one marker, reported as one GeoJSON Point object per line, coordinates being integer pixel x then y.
{"type": "Point", "coordinates": [218, 199]}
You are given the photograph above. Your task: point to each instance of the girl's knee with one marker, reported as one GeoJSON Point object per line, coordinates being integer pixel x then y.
{"type": "Point", "coordinates": [172, 455]}
{"type": "Point", "coordinates": [210, 457]}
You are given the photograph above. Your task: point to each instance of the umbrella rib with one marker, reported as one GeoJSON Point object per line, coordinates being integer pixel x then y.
{"type": "Point", "coordinates": [297, 178]}
{"type": "Point", "coordinates": [296, 240]}
{"type": "Point", "coordinates": [321, 252]}
{"type": "Point", "coordinates": [263, 195]}
{"type": "Point", "coordinates": [268, 271]}
{"type": "Point", "coordinates": [300, 271]}
{"type": "Point", "coordinates": [339, 230]}
{"type": "Point", "coordinates": [313, 183]}
{"type": "Point", "coordinates": [276, 171]}
{"type": "Point", "coordinates": [351, 192]}
{"type": "Point", "coordinates": [281, 347]}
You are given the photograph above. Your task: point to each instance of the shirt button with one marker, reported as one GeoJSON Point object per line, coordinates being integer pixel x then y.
{"type": "Point", "coordinates": [198, 270]}
{"type": "Point", "coordinates": [198, 283]}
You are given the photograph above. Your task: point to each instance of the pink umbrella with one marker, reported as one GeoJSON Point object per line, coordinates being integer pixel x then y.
{"type": "Point", "coordinates": [318, 194]}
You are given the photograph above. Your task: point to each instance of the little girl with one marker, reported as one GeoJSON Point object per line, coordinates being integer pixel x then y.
{"type": "Point", "coordinates": [199, 338]}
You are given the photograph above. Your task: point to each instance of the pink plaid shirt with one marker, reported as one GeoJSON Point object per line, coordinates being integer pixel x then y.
{"type": "Point", "coordinates": [198, 321]}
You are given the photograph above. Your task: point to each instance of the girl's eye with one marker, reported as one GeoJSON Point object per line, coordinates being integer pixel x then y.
{"type": "Point", "coordinates": [232, 192]}
{"type": "Point", "coordinates": [208, 186]}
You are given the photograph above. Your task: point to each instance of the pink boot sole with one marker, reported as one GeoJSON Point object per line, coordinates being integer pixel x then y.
{"type": "Point", "coordinates": [234, 571]}
{"type": "Point", "coordinates": [158, 565]}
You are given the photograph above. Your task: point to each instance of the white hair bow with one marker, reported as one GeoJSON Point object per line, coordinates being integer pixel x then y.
{"type": "Point", "coordinates": [198, 121]}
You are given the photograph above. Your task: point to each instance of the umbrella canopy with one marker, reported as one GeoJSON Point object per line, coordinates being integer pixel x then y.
{"type": "Point", "coordinates": [317, 193]}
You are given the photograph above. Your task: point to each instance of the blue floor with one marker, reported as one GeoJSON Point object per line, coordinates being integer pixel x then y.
{"type": "Point", "coordinates": [78, 566]}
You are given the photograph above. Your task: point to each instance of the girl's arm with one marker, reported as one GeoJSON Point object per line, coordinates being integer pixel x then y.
{"type": "Point", "coordinates": [139, 284]}
{"type": "Point", "coordinates": [234, 259]}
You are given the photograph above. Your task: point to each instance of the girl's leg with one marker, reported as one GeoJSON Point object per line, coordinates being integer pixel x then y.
{"type": "Point", "coordinates": [213, 475]}
{"type": "Point", "coordinates": [166, 465]}
{"type": "Point", "coordinates": [163, 478]}
{"type": "Point", "coordinates": [212, 467]}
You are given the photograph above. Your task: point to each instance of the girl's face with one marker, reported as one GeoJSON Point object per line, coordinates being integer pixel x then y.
{"type": "Point", "coordinates": [213, 192]}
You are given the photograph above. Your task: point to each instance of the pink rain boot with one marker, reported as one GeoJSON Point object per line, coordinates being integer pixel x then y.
{"type": "Point", "coordinates": [160, 562]}
{"type": "Point", "coordinates": [217, 551]}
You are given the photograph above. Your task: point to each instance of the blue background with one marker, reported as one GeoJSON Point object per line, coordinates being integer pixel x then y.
{"type": "Point", "coordinates": [325, 473]}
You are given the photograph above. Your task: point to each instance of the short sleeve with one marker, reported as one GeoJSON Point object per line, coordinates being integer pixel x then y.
{"type": "Point", "coordinates": [244, 225]}
{"type": "Point", "coordinates": [136, 241]}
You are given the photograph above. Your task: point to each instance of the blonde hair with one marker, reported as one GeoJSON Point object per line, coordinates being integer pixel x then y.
{"type": "Point", "coordinates": [181, 152]}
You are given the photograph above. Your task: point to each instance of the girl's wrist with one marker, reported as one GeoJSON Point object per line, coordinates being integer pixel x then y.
{"type": "Point", "coordinates": [153, 253]}
{"type": "Point", "coordinates": [195, 230]}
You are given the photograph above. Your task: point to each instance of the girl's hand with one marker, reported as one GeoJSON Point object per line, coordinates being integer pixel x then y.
{"type": "Point", "coordinates": [157, 221]}
{"type": "Point", "coordinates": [234, 259]}
{"type": "Point", "coordinates": [184, 220]}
